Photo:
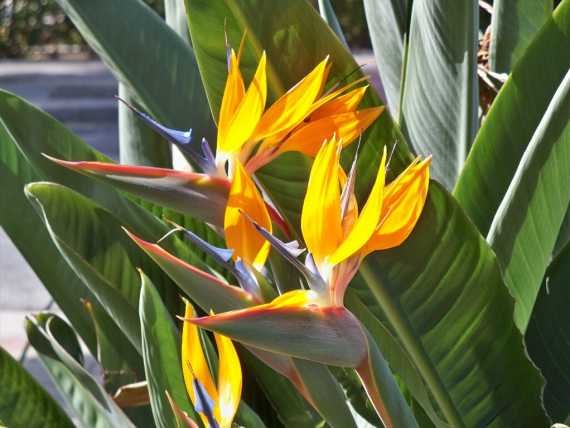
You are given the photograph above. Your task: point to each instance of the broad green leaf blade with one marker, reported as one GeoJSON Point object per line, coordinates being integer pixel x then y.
{"type": "Point", "coordinates": [440, 96]}
{"type": "Point", "coordinates": [19, 221]}
{"type": "Point", "coordinates": [93, 243]}
{"type": "Point", "coordinates": [23, 402]}
{"type": "Point", "coordinates": [52, 338]}
{"type": "Point", "coordinates": [161, 355]}
{"type": "Point", "coordinates": [198, 195]}
{"type": "Point", "coordinates": [138, 144]}
{"type": "Point", "coordinates": [513, 119]}
{"type": "Point", "coordinates": [514, 23]}
{"type": "Point", "coordinates": [388, 24]}
{"type": "Point", "coordinates": [527, 223]}
{"type": "Point", "coordinates": [145, 54]}
{"type": "Point", "coordinates": [328, 14]}
{"type": "Point", "coordinates": [546, 333]}
{"type": "Point", "coordinates": [444, 298]}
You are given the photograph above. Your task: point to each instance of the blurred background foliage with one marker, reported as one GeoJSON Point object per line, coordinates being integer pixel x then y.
{"type": "Point", "coordinates": [31, 28]}
{"type": "Point", "coordinates": [39, 28]}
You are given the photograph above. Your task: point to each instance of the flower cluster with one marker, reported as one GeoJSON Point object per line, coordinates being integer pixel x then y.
{"type": "Point", "coordinates": [311, 323]}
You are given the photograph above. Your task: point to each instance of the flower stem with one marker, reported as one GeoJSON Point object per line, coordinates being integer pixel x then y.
{"type": "Point", "coordinates": [413, 345]}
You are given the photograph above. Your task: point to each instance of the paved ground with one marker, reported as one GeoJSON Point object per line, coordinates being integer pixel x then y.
{"type": "Point", "coordinates": [80, 94]}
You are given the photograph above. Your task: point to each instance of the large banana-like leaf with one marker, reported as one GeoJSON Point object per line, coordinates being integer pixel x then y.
{"type": "Point", "coordinates": [139, 46]}
{"type": "Point", "coordinates": [514, 24]}
{"type": "Point", "coordinates": [446, 302]}
{"type": "Point", "coordinates": [388, 24]}
{"type": "Point", "coordinates": [440, 97]}
{"type": "Point", "coordinates": [23, 402]}
{"type": "Point", "coordinates": [513, 119]}
{"type": "Point", "coordinates": [93, 243]}
{"type": "Point", "coordinates": [26, 231]}
{"type": "Point", "coordinates": [546, 336]}
{"type": "Point", "coordinates": [161, 354]}
{"type": "Point", "coordinates": [60, 352]}
{"type": "Point", "coordinates": [527, 223]}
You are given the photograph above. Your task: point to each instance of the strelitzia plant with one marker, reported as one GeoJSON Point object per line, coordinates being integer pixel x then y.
{"type": "Point", "coordinates": [378, 281]}
{"type": "Point", "coordinates": [313, 323]}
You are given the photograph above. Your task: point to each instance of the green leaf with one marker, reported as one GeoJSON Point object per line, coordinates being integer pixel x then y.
{"type": "Point", "coordinates": [388, 25]}
{"type": "Point", "coordinates": [514, 24]}
{"type": "Point", "coordinates": [149, 57]}
{"type": "Point", "coordinates": [161, 355]}
{"type": "Point", "coordinates": [327, 13]}
{"type": "Point", "coordinates": [443, 296]}
{"type": "Point", "coordinates": [527, 223]}
{"type": "Point", "coordinates": [546, 336]}
{"type": "Point", "coordinates": [23, 226]}
{"type": "Point", "coordinates": [53, 339]}
{"type": "Point", "coordinates": [23, 402]}
{"type": "Point", "coordinates": [513, 119]}
{"type": "Point", "coordinates": [440, 96]}
{"type": "Point", "coordinates": [93, 243]}
{"type": "Point", "coordinates": [138, 143]}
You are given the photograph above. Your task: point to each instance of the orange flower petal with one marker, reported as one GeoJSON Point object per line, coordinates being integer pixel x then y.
{"type": "Point", "coordinates": [229, 381]}
{"type": "Point", "coordinates": [234, 92]}
{"type": "Point", "coordinates": [194, 362]}
{"type": "Point", "coordinates": [343, 104]}
{"type": "Point", "coordinates": [289, 110]}
{"type": "Point", "coordinates": [403, 205]}
{"type": "Point", "coordinates": [247, 114]}
{"type": "Point", "coordinates": [320, 218]}
{"type": "Point", "coordinates": [346, 126]}
{"type": "Point", "coordinates": [367, 220]}
{"type": "Point", "coordinates": [240, 234]}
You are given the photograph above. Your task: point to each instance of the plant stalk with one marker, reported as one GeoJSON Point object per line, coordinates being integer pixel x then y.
{"type": "Point", "coordinates": [414, 347]}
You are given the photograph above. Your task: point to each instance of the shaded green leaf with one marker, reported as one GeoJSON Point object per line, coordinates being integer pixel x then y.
{"type": "Point", "coordinates": [440, 97]}
{"type": "Point", "coordinates": [388, 25]}
{"type": "Point", "coordinates": [546, 336]}
{"type": "Point", "coordinates": [445, 301]}
{"type": "Point", "coordinates": [52, 338]}
{"type": "Point", "coordinates": [527, 223]}
{"type": "Point", "coordinates": [514, 23]}
{"type": "Point", "coordinates": [23, 402]}
{"type": "Point", "coordinates": [513, 119]}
